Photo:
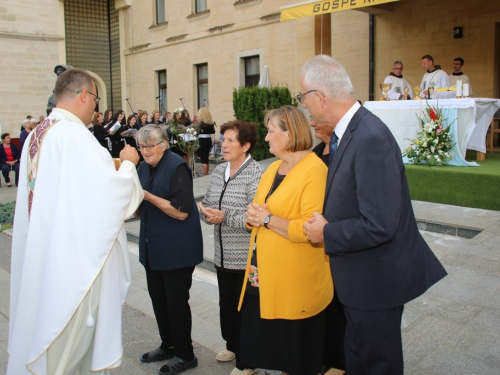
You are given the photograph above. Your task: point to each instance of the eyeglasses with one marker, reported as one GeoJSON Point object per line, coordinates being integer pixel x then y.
{"type": "Point", "coordinates": [300, 97]}
{"type": "Point", "coordinates": [96, 100]}
{"type": "Point", "coordinates": [147, 147]}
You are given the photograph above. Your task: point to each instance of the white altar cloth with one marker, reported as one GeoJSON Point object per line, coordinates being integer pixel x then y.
{"type": "Point", "coordinates": [473, 119]}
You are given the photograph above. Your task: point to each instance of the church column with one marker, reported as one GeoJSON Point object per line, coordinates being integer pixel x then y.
{"type": "Point", "coordinates": [323, 34]}
{"type": "Point", "coordinates": [121, 6]}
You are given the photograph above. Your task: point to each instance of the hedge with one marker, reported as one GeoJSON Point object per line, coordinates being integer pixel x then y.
{"type": "Point", "coordinates": [251, 103]}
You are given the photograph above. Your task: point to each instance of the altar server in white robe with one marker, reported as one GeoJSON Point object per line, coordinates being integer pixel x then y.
{"type": "Point", "coordinates": [70, 264]}
{"type": "Point", "coordinates": [399, 84]}
{"type": "Point", "coordinates": [434, 77]}
{"type": "Point", "coordinates": [457, 74]}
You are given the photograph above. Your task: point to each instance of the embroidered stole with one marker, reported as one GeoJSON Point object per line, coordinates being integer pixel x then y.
{"type": "Point", "coordinates": [396, 84]}
{"type": "Point", "coordinates": [34, 150]}
{"type": "Point", "coordinates": [429, 81]}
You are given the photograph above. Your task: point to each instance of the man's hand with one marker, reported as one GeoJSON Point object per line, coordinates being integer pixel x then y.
{"type": "Point", "coordinates": [313, 228]}
{"type": "Point", "coordinates": [129, 153]}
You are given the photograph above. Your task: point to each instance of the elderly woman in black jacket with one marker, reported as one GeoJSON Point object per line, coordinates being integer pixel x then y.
{"type": "Point", "coordinates": [170, 246]}
{"type": "Point", "coordinates": [9, 159]}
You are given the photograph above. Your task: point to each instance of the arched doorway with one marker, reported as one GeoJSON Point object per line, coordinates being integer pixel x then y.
{"type": "Point", "coordinates": [101, 90]}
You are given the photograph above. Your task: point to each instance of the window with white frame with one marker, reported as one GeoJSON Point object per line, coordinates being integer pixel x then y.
{"type": "Point", "coordinates": [162, 91]}
{"type": "Point", "coordinates": [200, 6]}
{"type": "Point", "coordinates": [252, 70]}
{"type": "Point", "coordinates": [202, 84]}
{"type": "Point", "coordinates": [160, 12]}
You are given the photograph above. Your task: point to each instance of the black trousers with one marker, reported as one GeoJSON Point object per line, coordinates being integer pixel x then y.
{"type": "Point", "coordinates": [230, 284]}
{"type": "Point", "coordinates": [6, 168]}
{"type": "Point", "coordinates": [335, 325]}
{"type": "Point", "coordinates": [373, 344]}
{"type": "Point", "coordinates": [204, 150]}
{"type": "Point", "coordinates": [169, 292]}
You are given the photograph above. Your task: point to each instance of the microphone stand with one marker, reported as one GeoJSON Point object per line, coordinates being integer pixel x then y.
{"type": "Point", "coordinates": [184, 106]}
{"type": "Point", "coordinates": [162, 106]}
{"type": "Point", "coordinates": [130, 105]}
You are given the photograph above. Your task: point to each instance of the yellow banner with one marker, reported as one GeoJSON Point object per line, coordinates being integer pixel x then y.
{"type": "Point", "coordinates": [325, 6]}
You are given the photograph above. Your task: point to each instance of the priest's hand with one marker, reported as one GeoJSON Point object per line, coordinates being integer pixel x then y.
{"type": "Point", "coordinates": [313, 228]}
{"type": "Point", "coordinates": [129, 153]}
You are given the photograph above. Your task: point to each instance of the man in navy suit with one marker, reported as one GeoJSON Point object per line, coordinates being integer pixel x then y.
{"type": "Point", "coordinates": [378, 258]}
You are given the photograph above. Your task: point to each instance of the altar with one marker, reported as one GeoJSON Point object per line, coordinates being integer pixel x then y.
{"type": "Point", "coordinates": [469, 120]}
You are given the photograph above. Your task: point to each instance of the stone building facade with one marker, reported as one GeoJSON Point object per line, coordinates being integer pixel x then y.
{"type": "Point", "coordinates": [31, 45]}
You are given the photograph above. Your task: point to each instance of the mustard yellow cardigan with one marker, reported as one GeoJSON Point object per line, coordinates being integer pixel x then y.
{"type": "Point", "coordinates": [294, 276]}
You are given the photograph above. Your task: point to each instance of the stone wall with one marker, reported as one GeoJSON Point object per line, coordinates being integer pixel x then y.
{"type": "Point", "coordinates": [350, 46]}
{"type": "Point", "coordinates": [30, 43]}
{"type": "Point", "coordinates": [220, 38]}
{"type": "Point", "coordinates": [420, 27]}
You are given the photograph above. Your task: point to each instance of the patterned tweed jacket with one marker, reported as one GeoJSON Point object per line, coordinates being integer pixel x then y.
{"type": "Point", "coordinates": [231, 237]}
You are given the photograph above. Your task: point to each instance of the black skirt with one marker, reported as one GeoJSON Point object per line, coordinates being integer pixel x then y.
{"type": "Point", "coordinates": [292, 346]}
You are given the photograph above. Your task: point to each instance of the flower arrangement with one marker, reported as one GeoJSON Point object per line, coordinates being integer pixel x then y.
{"type": "Point", "coordinates": [433, 143]}
{"type": "Point", "coordinates": [183, 137]}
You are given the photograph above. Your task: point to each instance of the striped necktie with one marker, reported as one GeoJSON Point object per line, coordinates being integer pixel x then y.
{"type": "Point", "coordinates": [333, 147]}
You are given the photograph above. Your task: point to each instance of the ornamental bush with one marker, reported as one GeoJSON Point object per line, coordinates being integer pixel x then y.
{"type": "Point", "coordinates": [251, 104]}
{"type": "Point", "coordinates": [7, 212]}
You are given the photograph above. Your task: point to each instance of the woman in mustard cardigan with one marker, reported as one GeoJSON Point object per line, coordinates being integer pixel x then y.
{"type": "Point", "coordinates": [288, 280]}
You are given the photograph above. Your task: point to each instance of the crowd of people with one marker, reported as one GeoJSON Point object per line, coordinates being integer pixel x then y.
{"type": "Point", "coordinates": [113, 130]}
{"type": "Point", "coordinates": [434, 77]}
{"type": "Point", "coordinates": [315, 257]}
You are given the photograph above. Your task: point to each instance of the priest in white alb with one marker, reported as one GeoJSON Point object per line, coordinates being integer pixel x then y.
{"type": "Point", "coordinates": [457, 74]}
{"type": "Point", "coordinates": [399, 84]}
{"type": "Point", "coordinates": [434, 77]}
{"type": "Point", "coordinates": [70, 268]}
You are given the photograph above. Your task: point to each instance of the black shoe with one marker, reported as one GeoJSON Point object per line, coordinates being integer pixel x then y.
{"type": "Point", "coordinates": [157, 355]}
{"type": "Point", "coordinates": [177, 365]}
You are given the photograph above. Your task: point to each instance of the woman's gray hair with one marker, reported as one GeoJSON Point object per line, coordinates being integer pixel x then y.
{"type": "Point", "coordinates": [327, 75]}
{"type": "Point", "coordinates": [151, 132]}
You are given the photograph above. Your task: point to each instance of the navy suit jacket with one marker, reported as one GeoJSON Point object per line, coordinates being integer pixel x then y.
{"type": "Point", "coordinates": [378, 258]}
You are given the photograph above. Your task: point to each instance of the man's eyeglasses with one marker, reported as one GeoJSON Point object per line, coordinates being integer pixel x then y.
{"type": "Point", "coordinates": [300, 97]}
{"type": "Point", "coordinates": [147, 147]}
{"type": "Point", "coordinates": [96, 100]}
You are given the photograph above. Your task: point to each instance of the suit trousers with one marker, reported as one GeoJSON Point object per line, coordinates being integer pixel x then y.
{"type": "Point", "coordinates": [373, 344]}
{"type": "Point", "coordinates": [169, 292]}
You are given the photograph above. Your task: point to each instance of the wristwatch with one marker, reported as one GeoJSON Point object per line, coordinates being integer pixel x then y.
{"type": "Point", "coordinates": [267, 219]}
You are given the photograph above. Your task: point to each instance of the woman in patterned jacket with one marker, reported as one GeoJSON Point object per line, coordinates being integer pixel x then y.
{"type": "Point", "coordinates": [231, 190]}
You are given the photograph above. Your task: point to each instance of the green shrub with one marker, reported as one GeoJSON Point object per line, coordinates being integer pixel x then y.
{"type": "Point", "coordinates": [251, 103]}
{"type": "Point", "coordinates": [7, 212]}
